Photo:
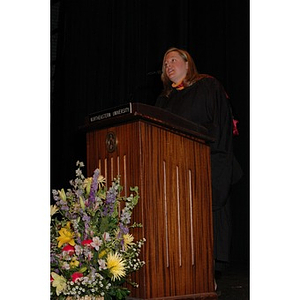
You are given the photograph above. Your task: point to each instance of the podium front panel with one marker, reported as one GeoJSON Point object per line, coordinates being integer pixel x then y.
{"type": "Point", "coordinates": [172, 171]}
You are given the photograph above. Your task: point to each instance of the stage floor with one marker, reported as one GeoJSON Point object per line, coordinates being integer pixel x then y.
{"type": "Point", "coordinates": [233, 283]}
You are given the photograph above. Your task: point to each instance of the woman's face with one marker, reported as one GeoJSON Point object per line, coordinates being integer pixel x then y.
{"type": "Point", "coordinates": [175, 67]}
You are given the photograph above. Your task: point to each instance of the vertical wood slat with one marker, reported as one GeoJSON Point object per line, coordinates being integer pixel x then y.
{"type": "Point", "coordinates": [115, 169]}
{"type": "Point", "coordinates": [172, 174]}
{"type": "Point", "coordinates": [125, 175]}
{"type": "Point", "coordinates": [191, 217]}
{"type": "Point", "coordinates": [166, 215]}
{"type": "Point", "coordinates": [178, 215]}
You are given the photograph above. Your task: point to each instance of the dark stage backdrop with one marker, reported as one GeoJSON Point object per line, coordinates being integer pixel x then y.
{"type": "Point", "coordinates": [101, 52]}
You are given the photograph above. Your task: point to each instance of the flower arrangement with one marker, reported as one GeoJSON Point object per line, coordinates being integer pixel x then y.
{"type": "Point", "coordinates": [92, 252]}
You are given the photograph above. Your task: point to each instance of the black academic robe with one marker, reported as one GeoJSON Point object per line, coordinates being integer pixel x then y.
{"type": "Point", "coordinates": [206, 103]}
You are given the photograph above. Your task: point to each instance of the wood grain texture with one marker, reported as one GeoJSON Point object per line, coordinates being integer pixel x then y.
{"type": "Point", "coordinates": [172, 171]}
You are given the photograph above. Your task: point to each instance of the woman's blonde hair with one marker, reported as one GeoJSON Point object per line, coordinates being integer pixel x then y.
{"type": "Point", "coordinates": [192, 74]}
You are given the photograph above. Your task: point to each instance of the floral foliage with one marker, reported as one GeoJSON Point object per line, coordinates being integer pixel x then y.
{"type": "Point", "coordinates": [92, 251]}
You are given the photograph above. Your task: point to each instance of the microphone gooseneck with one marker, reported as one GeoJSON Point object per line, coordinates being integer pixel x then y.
{"type": "Point", "coordinates": [154, 72]}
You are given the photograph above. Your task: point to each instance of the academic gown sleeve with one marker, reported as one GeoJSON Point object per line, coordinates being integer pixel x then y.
{"type": "Point", "coordinates": [225, 169]}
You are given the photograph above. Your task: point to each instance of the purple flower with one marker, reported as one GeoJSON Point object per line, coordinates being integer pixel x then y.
{"type": "Point", "coordinates": [125, 217]}
{"type": "Point", "coordinates": [86, 218]}
{"type": "Point", "coordinates": [94, 187]}
{"type": "Point", "coordinates": [110, 202]}
{"type": "Point", "coordinates": [123, 230]}
{"type": "Point", "coordinates": [65, 207]}
{"type": "Point", "coordinates": [53, 258]}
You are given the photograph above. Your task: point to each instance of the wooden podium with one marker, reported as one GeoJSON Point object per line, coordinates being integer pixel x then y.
{"type": "Point", "coordinates": [168, 159]}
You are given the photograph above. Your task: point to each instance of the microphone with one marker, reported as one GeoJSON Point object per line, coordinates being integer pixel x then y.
{"type": "Point", "coordinates": [154, 72]}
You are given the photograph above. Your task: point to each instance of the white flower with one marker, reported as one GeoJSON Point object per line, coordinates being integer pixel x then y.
{"type": "Point", "coordinates": [106, 236]}
{"type": "Point", "coordinates": [78, 250]}
{"type": "Point", "coordinates": [96, 243]}
{"type": "Point", "coordinates": [102, 264]}
{"type": "Point", "coordinates": [90, 255]}
{"type": "Point", "coordinates": [85, 280]}
{"type": "Point", "coordinates": [66, 266]}
{"type": "Point", "coordinates": [79, 164]}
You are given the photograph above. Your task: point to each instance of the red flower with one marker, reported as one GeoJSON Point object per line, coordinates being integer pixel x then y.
{"type": "Point", "coordinates": [86, 242]}
{"type": "Point", "coordinates": [76, 275]}
{"type": "Point", "coordinates": [69, 249]}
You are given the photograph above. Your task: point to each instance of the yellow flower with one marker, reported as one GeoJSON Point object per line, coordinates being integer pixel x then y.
{"type": "Point", "coordinates": [87, 184]}
{"type": "Point", "coordinates": [53, 210]}
{"type": "Point", "coordinates": [81, 203]}
{"type": "Point", "coordinates": [116, 266]}
{"type": "Point", "coordinates": [102, 253]}
{"type": "Point", "coordinates": [101, 181]}
{"type": "Point", "coordinates": [59, 282]}
{"type": "Point", "coordinates": [74, 263]}
{"type": "Point", "coordinates": [62, 194]}
{"type": "Point", "coordinates": [66, 236]}
{"type": "Point", "coordinates": [128, 240]}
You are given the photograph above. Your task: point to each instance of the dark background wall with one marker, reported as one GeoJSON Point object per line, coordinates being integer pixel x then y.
{"type": "Point", "coordinates": [101, 52]}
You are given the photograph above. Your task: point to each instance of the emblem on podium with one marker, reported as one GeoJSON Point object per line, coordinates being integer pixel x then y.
{"type": "Point", "coordinates": [111, 142]}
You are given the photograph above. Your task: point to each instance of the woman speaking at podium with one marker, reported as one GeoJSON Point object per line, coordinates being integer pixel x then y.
{"type": "Point", "coordinates": [201, 98]}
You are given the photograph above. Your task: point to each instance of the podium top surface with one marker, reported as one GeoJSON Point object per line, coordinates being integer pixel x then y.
{"type": "Point", "coordinates": [138, 111]}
